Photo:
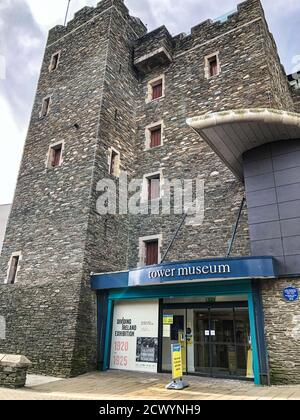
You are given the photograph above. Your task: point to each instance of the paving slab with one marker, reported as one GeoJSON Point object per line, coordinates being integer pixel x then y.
{"type": "Point", "coordinates": [117, 385]}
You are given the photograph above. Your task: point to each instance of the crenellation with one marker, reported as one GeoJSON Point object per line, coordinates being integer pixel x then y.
{"type": "Point", "coordinates": [90, 14]}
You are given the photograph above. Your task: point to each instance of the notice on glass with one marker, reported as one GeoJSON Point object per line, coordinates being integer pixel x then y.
{"type": "Point", "coordinates": [167, 331]}
{"type": "Point", "coordinates": [168, 319]}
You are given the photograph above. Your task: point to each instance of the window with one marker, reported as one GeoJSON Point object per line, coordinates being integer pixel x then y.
{"type": "Point", "coordinates": [114, 163]}
{"type": "Point", "coordinates": [154, 135]}
{"type": "Point", "coordinates": [212, 66]}
{"type": "Point", "coordinates": [156, 89]}
{"type": "Point", "coordinates": [54, 61]}
{"type": "Point", "coordinates": [13, 269]}
{"type": "Point", "coordinates": [55, 155]}
{"type": "Point", "coordinates": [154, 187]}
{"type": "Point", "coordinates": [45, 106]}
{"type": "Point", "coordinates": [150, 250]}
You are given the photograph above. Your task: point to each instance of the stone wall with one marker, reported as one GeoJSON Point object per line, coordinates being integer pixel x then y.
{"type": "Point", "coordinates": [13, 370]}
{"type": "Point", "coordinates": [282, 329]}
{"type": "Point", "coordinates": [50, 312]}
{"type": "Point", "coordinates": [244, 45]}
{"type": "Point", "coordinates": [4, 214]}
{"type": "Point", "coordinates": [296, 99]}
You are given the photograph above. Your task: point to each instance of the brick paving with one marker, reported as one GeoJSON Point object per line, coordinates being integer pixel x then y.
{"type": "Point", "coordinates": [116, 385]}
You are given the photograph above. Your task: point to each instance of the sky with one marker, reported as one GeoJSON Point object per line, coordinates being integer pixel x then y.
{"type": "Point", "coordinates": [24, 25]}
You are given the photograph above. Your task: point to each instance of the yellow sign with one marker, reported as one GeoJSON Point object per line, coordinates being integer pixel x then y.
{"type": "Point", "coordinates": [168, 319]}
{"type": "Point", "coordinates": [249, 364]}
{"type": "Point", "coordinates": [177, 370]}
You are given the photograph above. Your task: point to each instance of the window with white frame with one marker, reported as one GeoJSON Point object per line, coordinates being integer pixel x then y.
{"type": "Point", "coordinates": [154, 135]}
{"type": "Point", "coordinates": [152, 186]}
{"type": "Point", "coordinates": [55, 155]}
{"type": "Point", "coordinates": [150, 250]}
{"type": "Point", "coordinates": [45, 106]}
{"type": "Point", "coordinates": [212, 65]}
{"type": "Point", "coordinates": [54, 62]}
{"type": "Point", "coordinates": [156, 89]}
{"type": "Point", "coordinates": [114, 162]}
{"type": "Point", "coordinates": [13, 268]}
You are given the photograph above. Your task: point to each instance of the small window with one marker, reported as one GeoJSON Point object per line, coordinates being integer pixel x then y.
{"type": "Point", "coordinates": [212, 66]}
{"type": "Point", "coordinates": [153, 187]}
{"type": "Point", "coordinates": [45, 106]}
{"type": "Point", "coordinates": [55, 155]}
{"type": "Point", "coordinates": [155, 135]}
{"type": "Point", "coordinates": [13, 269]}
{"type": "Point", "coordinates": [151, 252]}
{"type": "Point", "coordinates": [157, 90]}
{"type": "Point", "coordinates": [114, 164]}
{"type": "Point", "coordinates": [54, 61]}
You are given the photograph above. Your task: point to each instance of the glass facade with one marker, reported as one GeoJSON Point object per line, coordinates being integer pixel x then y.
{"type": "Point", "coordinates": [214, 336]}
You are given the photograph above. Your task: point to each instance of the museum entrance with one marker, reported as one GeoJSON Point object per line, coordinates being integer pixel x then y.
{"type": "Point", "coordinates": [214, 337]}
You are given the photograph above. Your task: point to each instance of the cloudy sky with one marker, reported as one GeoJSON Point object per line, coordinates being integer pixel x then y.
{"type": "Point", "coordinates": [23, 32]}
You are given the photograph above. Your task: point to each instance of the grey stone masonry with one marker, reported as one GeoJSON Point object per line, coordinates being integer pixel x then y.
{"type": "Point", "coordinates": [153, 50]}
{"type": "Point", "coordinates": [282, 329]}
{"type": "Point", "coordinates": [50, 312]}
{"type": "Point", "coordinates": [99, 101]}
{"type": "Point", "coordinates": [296, 99]}
{"type": "Point", "coordinates": [13, 370]}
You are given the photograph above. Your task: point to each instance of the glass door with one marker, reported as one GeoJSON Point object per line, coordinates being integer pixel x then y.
{"type": "Point", "coordinates": [198, 351]}
{"type": "Point", "coordinates": [222, 342]}
{"type": "Point", "coordinates": [214, 338]}
{"type": "Point", "coordinates": [243, 343]}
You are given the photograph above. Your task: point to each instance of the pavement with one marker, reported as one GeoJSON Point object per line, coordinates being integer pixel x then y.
{"type": "Point", "coordinates": [117, 385]}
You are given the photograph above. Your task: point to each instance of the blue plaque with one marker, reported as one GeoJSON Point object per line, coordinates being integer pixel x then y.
{"type": "Point", "coordinates": [291, 294]}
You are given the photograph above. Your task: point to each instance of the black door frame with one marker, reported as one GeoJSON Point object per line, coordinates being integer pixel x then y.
{"type": "Point", "coordinates": [208, 305]}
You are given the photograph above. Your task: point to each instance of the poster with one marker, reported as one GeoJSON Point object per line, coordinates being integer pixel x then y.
{"type": "Point", "coordinates": [134, 344]}
{"type": "Point", "coordinates": [177, 369]}
{"type": "Point", "coordinates": [168, 319]}
{"type": "Point", "coordinates": [167, 331]}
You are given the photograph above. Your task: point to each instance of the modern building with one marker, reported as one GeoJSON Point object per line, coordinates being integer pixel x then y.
{"type": "Point", "coordinates": [215, 106]}
{"type": "Point", "coordinates": [4, 214]}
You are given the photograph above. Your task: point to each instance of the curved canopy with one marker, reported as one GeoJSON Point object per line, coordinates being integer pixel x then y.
{"type": "Point", "coordinates": [232, 133]}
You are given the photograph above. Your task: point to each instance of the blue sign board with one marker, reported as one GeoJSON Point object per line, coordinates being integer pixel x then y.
{"type": "Point", "coordinates": [203, 270]}
{"type": "Point", "coordinates": [291, 294]}
{"type": "Point", "coordinates": [189, 271]}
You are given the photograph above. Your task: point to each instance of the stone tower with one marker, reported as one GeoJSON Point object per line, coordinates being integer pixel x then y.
{"type": "Point", "coordinates": [95, 105]}
{"type": "Point", "coordinates": [88, 75]}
